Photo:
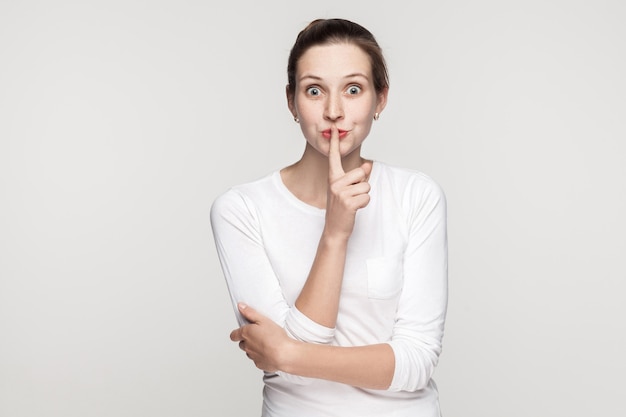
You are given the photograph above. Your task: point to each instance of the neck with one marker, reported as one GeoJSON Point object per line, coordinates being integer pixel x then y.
{"type": "Point", "coordinates": [307, 179]}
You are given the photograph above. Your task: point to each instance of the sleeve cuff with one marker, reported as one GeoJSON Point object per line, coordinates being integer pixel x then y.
{"type": "Point", "coordinates": [302, 328]}
{"type": "Point", "coordinates": [412, 371]}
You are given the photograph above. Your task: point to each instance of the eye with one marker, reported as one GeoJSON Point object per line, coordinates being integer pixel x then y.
{"type": "Point", "coordinates": [313, 91]}
{"type": "Point", "coordinates": [353, 89]}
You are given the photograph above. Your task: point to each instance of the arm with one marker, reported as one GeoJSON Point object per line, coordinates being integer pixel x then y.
{"type": "Point", "coordinates": [272, 350]}
{"type": "Point", "coordinates": [249, 273]}
{"type": "Point", "coordinates": [407, 361]}
{"type": "Point", "coordinates": [347, 193]}
{"type": "Point", "coordinates": [420, 318]}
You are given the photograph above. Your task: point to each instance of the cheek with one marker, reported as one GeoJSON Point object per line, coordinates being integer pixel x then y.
{"type": "Point", "coordinates": [362, 111]}
{"type": "Point", "coordinates": [308, 112]}
{"type": "Point", "coordinates": [364, 121]}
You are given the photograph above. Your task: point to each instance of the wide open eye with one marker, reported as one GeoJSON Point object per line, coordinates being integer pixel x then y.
{"type": "Point", "coordinates": [313, 91]}
{"type": "Point", "coordinates": [353, 89]}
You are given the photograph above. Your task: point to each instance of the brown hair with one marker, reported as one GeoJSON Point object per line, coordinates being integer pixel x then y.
{"type": "Point", "coordinates": [328, 31]}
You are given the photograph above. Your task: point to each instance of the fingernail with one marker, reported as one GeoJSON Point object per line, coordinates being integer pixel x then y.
{"type": "Point", "coordinates": [243, 306]}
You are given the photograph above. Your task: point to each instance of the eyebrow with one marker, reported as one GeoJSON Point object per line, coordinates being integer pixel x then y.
{"type": "Point", "coordinates": [315, 77]}
{"type": "Point", "coordinates": [357, 74]}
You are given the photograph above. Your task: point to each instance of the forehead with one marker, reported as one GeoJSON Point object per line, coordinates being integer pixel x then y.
{"type": "Point", "coordinates": [334, 60]}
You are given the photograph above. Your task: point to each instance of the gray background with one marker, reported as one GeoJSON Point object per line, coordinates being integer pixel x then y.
{"type": "Point", "coordinates": [121, 121]}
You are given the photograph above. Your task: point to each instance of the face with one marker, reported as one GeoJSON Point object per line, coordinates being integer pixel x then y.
{"type": "Point", "coordinates": [335, 88]}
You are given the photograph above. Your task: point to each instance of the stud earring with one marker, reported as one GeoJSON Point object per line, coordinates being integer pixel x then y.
{"type": "Point", "coordinates": [295, 119]}
{"type": "Point", "coordinates": [376, 116]}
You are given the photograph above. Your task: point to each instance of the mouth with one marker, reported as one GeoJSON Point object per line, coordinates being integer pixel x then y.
{"type": "Point", "coordinates": [327, 133]}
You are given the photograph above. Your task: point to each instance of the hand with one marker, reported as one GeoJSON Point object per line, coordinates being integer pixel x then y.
{"type": "Point", "coordinates": [264, 342]}
{"type": "Point", "coordinates": [347, 192]}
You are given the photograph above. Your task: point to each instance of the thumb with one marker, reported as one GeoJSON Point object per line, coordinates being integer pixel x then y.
{"type": "Point", "coordinates": [367, 167]}
{"type": "Point", "coordinates": [249, 313]}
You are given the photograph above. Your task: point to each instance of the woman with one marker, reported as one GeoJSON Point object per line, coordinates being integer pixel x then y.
{"type": "Point", "coordinates": [337, 265]}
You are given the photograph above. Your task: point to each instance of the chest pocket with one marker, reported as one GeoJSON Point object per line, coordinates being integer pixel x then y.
{"type": "Point", "coordinates": [384, 277]}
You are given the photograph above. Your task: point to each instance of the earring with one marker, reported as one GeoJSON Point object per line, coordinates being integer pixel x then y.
{"type": "Point", "coordinates": [295, 119]}
{"type": "Point", "coordinates": [376, 116]}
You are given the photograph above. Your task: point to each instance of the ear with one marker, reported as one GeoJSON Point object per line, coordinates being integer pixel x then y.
{"type": "Point", "coordinates": [381, 100]}
{"type": "Point", "coordinates": [291, 101]}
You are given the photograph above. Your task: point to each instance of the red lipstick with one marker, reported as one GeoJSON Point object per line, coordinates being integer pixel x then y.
{"type": "Point", "coordinates": [327, 133]}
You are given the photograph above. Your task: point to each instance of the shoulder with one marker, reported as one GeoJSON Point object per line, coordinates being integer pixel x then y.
{"type": "Point", "coordinates": [420, 199]}
{"type": "Point", "coordinates": [408, 183]}
{"type": "Point", "coordinates": [241, 199]}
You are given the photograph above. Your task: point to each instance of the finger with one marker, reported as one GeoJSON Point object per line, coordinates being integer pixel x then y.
{"type": "Point", "coordinates": [334, 155]}
{"type": "Point", "coordinates": [235, 335]}
{"type": "Point", "coordinates": [249, 313]}
{"type": "Point", "coordinates": [367, 167]}
{"type": "Point", "coordinates": [242, 346]}
{"type": "Point", "coordinates": [355, 176]}
{"type": "Point", "coordinates": [361, 200]}
{"type": "Point", "coordinates": [360, 188]}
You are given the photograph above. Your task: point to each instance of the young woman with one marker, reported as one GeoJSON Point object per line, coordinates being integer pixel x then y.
{"type": "Point", "coordinates": [337, 265]}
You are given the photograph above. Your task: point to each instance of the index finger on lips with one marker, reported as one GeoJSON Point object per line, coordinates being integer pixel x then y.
{"type": "Point", "coordinates": [334, 155]}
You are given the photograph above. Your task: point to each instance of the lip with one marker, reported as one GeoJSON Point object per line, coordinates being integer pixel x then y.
{"type": "Point", "coordinates": [342, 133]}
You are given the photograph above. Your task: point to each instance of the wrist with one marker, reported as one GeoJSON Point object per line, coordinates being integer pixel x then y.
{"type": "Point", "coordinates": [290, 356]}
{"type": "Point", "coordinates": [334, 239]}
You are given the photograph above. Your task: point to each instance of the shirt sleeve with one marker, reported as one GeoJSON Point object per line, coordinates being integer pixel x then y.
{"type": "Point", "coordinates": [248, 272]}
{"type": "Point", "coordinates": [418, 330]}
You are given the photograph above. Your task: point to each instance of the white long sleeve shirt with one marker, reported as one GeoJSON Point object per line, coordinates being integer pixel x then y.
{"type": "Point", "coordinates": [394, 286]}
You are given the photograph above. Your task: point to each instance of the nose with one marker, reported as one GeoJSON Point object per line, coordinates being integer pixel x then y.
{"type": "Point", "coordinates": [334, 108]}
